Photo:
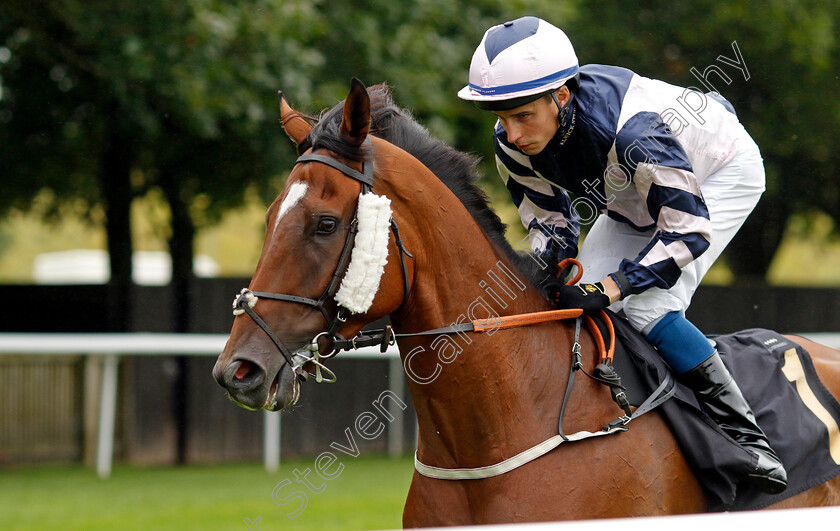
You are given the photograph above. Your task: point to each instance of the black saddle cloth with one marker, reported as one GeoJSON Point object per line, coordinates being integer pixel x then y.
{"type": "Point", "coordinates": [774, 374]}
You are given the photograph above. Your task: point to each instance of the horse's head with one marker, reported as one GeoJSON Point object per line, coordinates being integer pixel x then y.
{"type": "Point", "coordinates": [324, 271]}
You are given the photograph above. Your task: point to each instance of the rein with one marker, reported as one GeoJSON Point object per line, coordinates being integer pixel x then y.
{"type": "Point", "coordinates": [386, 336]}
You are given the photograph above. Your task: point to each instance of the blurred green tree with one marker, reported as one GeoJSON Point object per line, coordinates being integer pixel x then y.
{"type": "Point", "coordinates": [103, 101]}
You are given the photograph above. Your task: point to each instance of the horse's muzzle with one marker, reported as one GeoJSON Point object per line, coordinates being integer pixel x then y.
{"type": "Point", "coordinates": [249, 384]}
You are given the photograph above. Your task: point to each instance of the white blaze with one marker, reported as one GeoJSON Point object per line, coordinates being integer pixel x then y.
{"type": "Point", "coordinates": [296, 192]}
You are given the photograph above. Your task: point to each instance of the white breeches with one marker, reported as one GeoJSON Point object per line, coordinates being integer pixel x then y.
{"type": "Point", "coordinates": [730, 194]}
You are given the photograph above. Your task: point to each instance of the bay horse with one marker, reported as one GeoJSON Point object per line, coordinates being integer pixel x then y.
{"type": "Point", "coordinates": [479, 398]}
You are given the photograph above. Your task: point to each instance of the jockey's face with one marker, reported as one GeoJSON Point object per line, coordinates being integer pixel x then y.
{"type": "Point", "coordinates": [532, 126]}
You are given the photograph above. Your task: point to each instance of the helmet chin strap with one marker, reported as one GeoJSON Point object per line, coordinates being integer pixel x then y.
{"type": "Point", "coordinates": [563, 110]}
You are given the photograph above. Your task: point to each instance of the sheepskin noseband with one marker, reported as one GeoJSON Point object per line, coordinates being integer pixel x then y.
{"type": "Point", "coordinates": [369, 255]}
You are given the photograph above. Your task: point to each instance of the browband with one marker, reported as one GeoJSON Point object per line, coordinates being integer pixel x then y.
{"type": "Point", "coordinates": [364, 178]}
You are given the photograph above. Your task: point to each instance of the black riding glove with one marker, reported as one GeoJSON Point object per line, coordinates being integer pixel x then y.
{"type": "Point", "coordinates": [588, 297]}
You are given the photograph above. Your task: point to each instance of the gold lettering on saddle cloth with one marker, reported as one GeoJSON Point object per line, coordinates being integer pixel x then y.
{"type": "Point", "coordinates": [795, 373]}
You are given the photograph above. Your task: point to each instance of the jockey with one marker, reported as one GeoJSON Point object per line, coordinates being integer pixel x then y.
{"type": "Point", "coordinates": [673, 170]}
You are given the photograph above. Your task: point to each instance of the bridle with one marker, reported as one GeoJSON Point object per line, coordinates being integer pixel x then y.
{"type": "Point", "coordinates": [247, 299]}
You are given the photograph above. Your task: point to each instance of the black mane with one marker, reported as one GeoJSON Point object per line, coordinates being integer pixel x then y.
{"type": "Point", "coordinates": [457, 170]}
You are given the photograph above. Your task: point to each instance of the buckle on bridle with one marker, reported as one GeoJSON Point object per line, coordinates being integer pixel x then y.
{"type": "Point", "coordinates": [389, 339]}
{"type": "Point", "coordinates": [618, 424]}
{"type": "Point", "coordinates": [576, 356]}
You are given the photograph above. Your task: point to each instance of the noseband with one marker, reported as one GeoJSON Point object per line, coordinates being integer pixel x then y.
{"type": "Point", "coordinates": [247, 299]}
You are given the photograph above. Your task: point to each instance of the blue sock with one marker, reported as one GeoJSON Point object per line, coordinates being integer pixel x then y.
{"type": "Point", "coordinates": [679, 342]}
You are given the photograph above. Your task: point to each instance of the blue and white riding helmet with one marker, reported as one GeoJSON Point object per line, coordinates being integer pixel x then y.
{"type": "Point", "coordinates": [517, 62]}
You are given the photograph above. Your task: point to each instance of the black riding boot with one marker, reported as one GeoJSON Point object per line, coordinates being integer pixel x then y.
{"type": "Point", "coordinates": [722, 399]}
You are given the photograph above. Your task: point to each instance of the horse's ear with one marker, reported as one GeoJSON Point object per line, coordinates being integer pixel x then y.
{"type": "Point", "coordinates": [293, 123]}
{"type": "Point", "coordinates": [355, 124]}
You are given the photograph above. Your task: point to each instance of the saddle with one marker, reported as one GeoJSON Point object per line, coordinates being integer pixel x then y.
{"type": "Point", "coordinates": [760, 360]}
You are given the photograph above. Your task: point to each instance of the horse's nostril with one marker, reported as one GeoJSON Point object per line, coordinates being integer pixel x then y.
{"type": "Point", "coordinates": [243, 370]}
{"type": "Point", "coordinates": [244, 374]}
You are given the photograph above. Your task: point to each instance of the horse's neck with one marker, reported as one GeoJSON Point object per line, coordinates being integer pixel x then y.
{"type": "Point", "coordinates": [478, 397]}
{"type": "Point", "coordinates": [478, 393]}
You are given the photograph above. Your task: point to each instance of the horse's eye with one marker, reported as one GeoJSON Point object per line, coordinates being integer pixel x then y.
{"type": "Point", "coordinates": [327, 225]}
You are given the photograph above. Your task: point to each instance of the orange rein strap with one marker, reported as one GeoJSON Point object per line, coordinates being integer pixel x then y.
{"type": "Point", "coordinates": [525, 319]}
{"type": "Point", "coordinates": [607, 354]}
{"type": "Point", "coordinates": [387, 336]}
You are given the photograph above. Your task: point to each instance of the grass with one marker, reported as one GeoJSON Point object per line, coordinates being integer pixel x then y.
{"type": "Point", "coordinates": [368, 494]}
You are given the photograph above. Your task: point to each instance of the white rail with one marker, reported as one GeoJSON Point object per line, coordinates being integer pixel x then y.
{"type": "Point", "coordinates": [113, 346]}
